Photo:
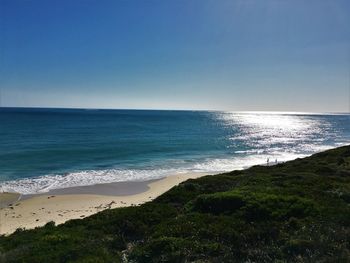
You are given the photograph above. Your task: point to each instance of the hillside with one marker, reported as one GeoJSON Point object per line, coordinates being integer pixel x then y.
{"type": "Point", "coordinates": [297, 211]}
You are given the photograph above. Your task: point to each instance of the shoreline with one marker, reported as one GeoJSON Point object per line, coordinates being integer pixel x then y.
{"type": "Point", "coordinates": [110, 189]}
{"type": "Point", "coordinates": [61, 205]}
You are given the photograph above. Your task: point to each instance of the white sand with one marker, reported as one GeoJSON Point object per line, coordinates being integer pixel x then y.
{"type": "Point", "coordinates": [40, 209]}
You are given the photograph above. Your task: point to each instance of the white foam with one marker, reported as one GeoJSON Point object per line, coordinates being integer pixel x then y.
{"type": "Point", "coordinates": [243, 160]}
{"type": "Point", "coordinates": [45, 183]}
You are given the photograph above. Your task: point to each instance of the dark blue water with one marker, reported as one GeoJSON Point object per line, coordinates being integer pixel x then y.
{"type": "Point", "coordinates": [41, 149]}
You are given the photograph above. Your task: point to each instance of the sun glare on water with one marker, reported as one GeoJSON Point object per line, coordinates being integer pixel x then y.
{"type": "Point", "coordinates": [280, 122]}
{"type": "Point", "coordinates": [266, 131]}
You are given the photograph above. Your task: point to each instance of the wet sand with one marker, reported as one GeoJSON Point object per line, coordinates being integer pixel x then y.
{"type": "Point", "coordinates": [62, 205]}
{"type": "Point", "coordinates": [7, 199]}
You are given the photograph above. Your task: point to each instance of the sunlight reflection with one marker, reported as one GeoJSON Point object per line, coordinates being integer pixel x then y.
{"type": "Point", "coordinates": [284, 122]}
{"type": "Point", "coordinates": [265, 130]}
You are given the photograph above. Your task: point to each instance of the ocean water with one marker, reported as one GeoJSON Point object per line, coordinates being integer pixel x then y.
{"type": "Point", "coordinates": [43, 149]}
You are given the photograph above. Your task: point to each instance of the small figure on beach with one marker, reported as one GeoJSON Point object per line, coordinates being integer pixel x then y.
{"type": "Point", "coordinates": [267, 161]}
{"type": "Point", "coordinates": [276, 161]}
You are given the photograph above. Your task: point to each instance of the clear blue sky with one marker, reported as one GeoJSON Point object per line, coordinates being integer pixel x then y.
{"type": "Point", "coordinates": [191, 54]}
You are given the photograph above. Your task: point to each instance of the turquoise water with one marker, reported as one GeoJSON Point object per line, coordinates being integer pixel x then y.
{"type": "Point", "coordinates": [43, 149]}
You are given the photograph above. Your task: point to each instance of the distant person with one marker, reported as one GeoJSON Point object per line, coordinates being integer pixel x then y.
{"type": "Point", "coordinates": [267, 161]}
{"type": "Point", "coordinates": [276, 161]}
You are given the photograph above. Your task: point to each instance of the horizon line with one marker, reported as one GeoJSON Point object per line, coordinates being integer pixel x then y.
{"type": "Point", "coordinates": [193, 110]}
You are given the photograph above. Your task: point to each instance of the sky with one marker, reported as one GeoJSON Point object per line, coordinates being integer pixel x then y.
{"type": "Point", "coordinates": [237, 55]}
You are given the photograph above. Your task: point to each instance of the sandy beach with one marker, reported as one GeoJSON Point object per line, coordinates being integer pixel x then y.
{"type": "Point", "coordinates": [73, 203]}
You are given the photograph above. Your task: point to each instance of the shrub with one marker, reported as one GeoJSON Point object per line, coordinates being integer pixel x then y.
{"type": "Point", "coordinates": [254, 206]}
{"type": "Point", "coordinates": [299, 247]}
{"type": "Point", "coordinates": [226, 202]}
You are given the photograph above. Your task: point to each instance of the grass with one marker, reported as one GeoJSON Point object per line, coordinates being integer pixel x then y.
{"type": "Point", "coordinates": [298, 211]}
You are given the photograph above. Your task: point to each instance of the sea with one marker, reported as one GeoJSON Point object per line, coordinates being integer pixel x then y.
{"type": "Point", "coordinates": [43, 149]}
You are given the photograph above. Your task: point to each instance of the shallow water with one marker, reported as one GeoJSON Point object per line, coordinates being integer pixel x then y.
{"type": "Point", "coordinates": [43, 149]}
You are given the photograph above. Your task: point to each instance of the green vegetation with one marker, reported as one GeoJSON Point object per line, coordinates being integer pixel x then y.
{"type": "Point", "coordinates": [298, 211]}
